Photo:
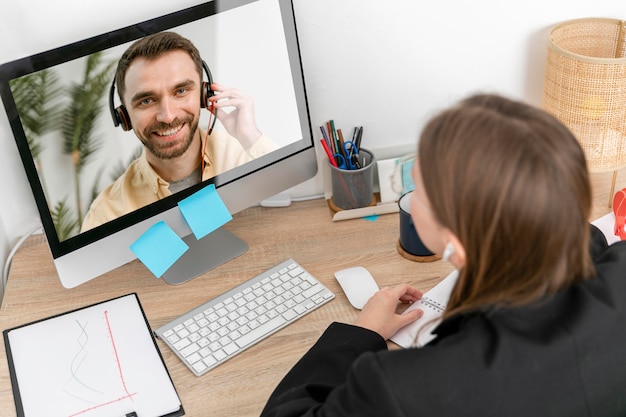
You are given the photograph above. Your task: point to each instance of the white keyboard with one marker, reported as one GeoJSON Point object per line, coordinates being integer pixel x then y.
{"type": "Point", "coordinates": [219, 329]}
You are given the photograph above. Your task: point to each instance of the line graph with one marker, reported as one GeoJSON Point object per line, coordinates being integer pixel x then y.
{"type": "Point", "coordinates": [82, 355]}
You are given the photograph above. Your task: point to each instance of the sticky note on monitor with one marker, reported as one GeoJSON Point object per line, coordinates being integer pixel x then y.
{"type": "Point", "coordinates": [159, 248]}
{"type": "Point", "coordinates": [204, 211]}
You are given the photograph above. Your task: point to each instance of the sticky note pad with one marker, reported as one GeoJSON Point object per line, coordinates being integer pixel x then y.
{"type": "Point", "coordinates": [158, 248]}
{"type": "Point", "coordinates": [204, 211]}
{"type": "Point", "coordinates": [407, 180]}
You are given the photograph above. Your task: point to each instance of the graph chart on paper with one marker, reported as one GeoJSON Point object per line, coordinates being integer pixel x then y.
{"type": "Point", "coordinates": [90, 388]}
{"type": "Point", "coordinates": [96, 361]}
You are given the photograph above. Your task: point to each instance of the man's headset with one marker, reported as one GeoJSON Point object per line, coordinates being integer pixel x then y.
{"type": "Point", "coordinates": [120, 114]}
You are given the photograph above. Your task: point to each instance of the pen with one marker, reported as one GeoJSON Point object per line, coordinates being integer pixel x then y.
{"type": "Point", "coordinates": [358, 137]}
{"type": "Point", "coordinates": [354, 134]}
{"type": "Point", "coordinates": [328, 153]}
{"type": "Point", "coordinates": [334, 133]}
{"type": "Point", "coordinates": [331, 139]}
{"type": "Point", "coordinates": [325, 135]}
{"type": "Point", "coordinates": [341, 142]}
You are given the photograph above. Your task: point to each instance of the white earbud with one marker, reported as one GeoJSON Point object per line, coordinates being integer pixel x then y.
{"type": "Point", "coordinates": [448, 252]}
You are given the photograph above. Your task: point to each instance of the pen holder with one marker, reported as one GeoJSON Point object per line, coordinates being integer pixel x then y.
{"type": "Point", "coordinates": [353, 188]}
{"type": "Point", "coordinates": [410, 245]}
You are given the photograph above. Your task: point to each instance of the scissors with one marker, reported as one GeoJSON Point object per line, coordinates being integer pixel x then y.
{"type": "Point", "coordinates": [349, 159]}
{"type": "Point", "coordinates": [342, 163]}
{"type": "Point", "coordinates": [351, 151]}
{"type": "Point", "coordinates": [344, 158]}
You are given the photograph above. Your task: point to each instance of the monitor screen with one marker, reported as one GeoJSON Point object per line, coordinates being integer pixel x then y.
{"type": "Point", "coordinates": [62, 107]}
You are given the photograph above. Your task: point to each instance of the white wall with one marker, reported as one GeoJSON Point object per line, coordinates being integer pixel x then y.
{"type": "Point", "coordinates": [386, 65]}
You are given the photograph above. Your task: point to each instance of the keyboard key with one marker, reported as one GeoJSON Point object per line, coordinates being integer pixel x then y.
{"type": "Point", "coordinates": [188, 350]}
{"type": "Point", "coordinates": [181, 344]}
{"type": "Point", "coordinates": [199, 367]}
{"type": "Point", "coordinates": [231, 348]}
{"type": "Point", "coordinates": [313, 290]}
{"type": "Point", "coordinates": [289, 314]}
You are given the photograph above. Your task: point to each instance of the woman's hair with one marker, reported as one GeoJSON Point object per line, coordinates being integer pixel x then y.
{"type": "Point", "coordinates": [152, 47]}
{"type": "Point", "coordinates": [511, 182]}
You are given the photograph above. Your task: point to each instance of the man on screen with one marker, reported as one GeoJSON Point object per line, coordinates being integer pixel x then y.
{"type": "Point", "coordinates": [159, 82]}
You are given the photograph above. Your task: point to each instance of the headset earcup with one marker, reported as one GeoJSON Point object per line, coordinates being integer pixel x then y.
{"type": "Point", "coordinates": [205, 94]}
{"type": "Point", "coordinates": [118, 114]}
{"type": "Point", "coordinates": [122, 118]}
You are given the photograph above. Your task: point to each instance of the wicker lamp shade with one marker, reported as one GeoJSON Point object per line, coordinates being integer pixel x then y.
{"type": "Point", "coordinates": [585, 87]}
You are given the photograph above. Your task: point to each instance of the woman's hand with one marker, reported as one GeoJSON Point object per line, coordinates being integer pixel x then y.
{"type": "Point", "coordinates": [379, 313]}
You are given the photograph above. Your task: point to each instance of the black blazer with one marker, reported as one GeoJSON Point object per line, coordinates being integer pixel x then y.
{"type": "Point", "coordinates": [564, 356]}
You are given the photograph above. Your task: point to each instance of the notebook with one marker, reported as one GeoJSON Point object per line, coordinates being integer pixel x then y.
{"type": "Point", "coordinates": [433, 304]}
{"type": "Point", "coordinates": [100, 360]}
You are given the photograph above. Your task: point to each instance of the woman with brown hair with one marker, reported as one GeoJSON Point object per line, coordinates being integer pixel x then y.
{"type": "Point", "coordinates": [536, 323]}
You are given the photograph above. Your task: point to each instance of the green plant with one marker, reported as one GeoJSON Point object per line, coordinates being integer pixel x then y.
{"type": "Point", "coordinates": [80, 119]}
{"type": "Point", "coordinates": [37, 100]}
{"type": "Point", "coordinates": [65, 222]}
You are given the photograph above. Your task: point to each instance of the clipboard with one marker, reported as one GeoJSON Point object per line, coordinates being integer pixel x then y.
{"type": "Point", "coordinates": [99, 360]}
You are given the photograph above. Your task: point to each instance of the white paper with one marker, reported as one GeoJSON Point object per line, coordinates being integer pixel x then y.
{"type": "Point", "coordinates": [606, 224]}
{"type": "Point", "coordinates": [97, 361]}
{"type": "Point", "coordinates": [433, 304]}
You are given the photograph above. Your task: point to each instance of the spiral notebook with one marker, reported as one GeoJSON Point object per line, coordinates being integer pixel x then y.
{"type": "Point", "coordinates": [100, 360]}
{"type": "Point", "coordinates": [433, 304]}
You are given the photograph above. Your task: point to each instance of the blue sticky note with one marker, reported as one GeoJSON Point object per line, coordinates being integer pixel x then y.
{"type": "Point", "coordinates": [372, 218]}
{"type": "Point", "coordinates": [158, 248]}
{"type": "Point", "coordinates": [204, 211]}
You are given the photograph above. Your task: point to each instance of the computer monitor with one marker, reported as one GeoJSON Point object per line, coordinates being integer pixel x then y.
{"type": "Point", "coordinates": [249, 44]}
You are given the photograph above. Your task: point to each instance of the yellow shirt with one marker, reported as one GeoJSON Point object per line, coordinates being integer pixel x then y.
{"type": "Point", "coordinates": [140, 185]}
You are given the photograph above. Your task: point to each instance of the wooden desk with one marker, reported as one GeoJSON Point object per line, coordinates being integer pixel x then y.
{"type": "Point", "coordinates": [303, 231]}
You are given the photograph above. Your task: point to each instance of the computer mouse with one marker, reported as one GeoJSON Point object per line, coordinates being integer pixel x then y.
{"type": "Point", "coordinates": [358, 285]}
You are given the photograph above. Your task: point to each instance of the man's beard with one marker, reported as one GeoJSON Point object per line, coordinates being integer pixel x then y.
{"type": "Point", "coordinates": [173, 149]}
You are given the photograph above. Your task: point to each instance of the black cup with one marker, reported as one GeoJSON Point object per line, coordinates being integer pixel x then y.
{"type": "Point", "coordinates": [409, 239]}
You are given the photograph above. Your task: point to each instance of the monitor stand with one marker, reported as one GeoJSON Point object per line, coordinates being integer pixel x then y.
{"type": "Point", "coordinates": [207, 253]}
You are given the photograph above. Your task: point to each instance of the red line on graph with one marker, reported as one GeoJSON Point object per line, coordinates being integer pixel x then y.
{"type": "Point", "coordinates": [119, 368]}
{"type": "Point", "coordinates": [117, 358]}
{"type": "Point", "coordinates": [102, 405]}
